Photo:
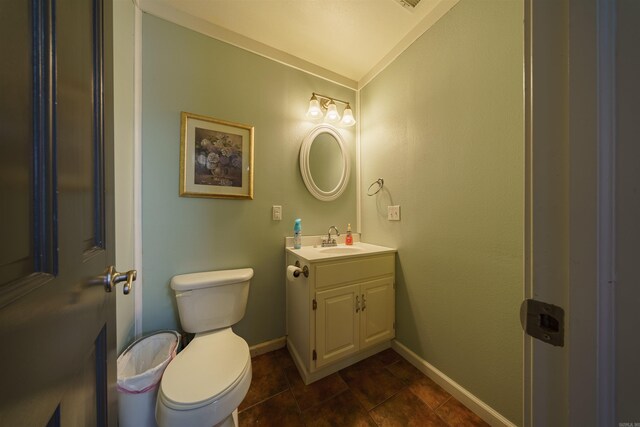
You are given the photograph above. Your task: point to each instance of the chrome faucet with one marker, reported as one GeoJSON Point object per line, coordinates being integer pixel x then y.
{"type": "Point", "coordinates": [329, 241]}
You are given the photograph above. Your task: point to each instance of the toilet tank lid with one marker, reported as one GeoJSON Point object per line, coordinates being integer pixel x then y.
{"type": "Point", "coordinates": [206, 279]}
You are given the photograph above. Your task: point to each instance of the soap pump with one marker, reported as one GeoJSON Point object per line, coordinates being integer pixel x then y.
{"type": "Point", "coordinates": [297, 234]}
{"type": "Point", "coordinates": [348, 240]}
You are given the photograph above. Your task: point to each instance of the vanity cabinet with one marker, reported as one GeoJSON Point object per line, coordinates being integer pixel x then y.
{"type": "Point", "coordinates": [352, 318]}
{"type": "Point", "coordinates": [343, 312]}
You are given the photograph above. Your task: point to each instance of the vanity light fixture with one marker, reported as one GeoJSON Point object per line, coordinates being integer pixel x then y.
{"type": "Point", "coordinates": [318, 104]}
{"type": "Point", "coordinates": [347, 117]}
{"type": "Point", "coordinates": [332, 115]}
{"type": "Point", "coordinates": [315, 112]}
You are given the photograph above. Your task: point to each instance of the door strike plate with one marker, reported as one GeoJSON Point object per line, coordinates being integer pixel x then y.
{"type": "Point", "coordinates": [543, 321]}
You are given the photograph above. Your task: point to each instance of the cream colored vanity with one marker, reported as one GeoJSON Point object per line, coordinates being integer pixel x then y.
{"type": "Point", "coordinates": [344, 310]}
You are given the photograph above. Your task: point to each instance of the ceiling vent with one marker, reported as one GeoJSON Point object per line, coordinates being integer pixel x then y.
{"type": "Point", "coordinates": [408, 4]}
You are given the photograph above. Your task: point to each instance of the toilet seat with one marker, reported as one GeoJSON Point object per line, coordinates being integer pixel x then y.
{"type": "Point", "coordinates": [211, 366]}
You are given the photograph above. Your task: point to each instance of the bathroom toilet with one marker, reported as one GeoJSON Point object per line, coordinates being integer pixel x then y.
{"type": "Point", "coordinates": [206, 382]}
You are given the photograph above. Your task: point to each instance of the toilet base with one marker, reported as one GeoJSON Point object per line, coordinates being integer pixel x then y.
{"type": "Point", "coordinates": [230, 421]}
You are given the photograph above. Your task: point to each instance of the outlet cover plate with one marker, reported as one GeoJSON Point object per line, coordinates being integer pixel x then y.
{"type": "Point", "coordinates": [393, 213]}
{"type": "Point", "coordinates": [276, 213]}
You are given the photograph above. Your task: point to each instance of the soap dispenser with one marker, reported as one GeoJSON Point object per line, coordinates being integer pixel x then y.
{"type": "Point", "coordinates": [348, 240]}
{"type": "Point", "coordinates": [297, 234]}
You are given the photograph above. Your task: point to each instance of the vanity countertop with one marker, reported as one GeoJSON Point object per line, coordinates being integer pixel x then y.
{"type": "Point", "coordinates": [358, 249]}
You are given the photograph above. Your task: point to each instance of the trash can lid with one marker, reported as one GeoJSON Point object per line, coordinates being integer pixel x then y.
{"type": "Point", "coordinates": [207, 368]}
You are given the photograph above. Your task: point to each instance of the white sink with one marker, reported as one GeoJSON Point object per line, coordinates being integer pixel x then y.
{"type": "Point", "coordinates": [341, 250]}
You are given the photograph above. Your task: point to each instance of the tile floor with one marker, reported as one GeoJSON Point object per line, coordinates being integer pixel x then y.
{"type": "Point", "coordinates": [383, 390]}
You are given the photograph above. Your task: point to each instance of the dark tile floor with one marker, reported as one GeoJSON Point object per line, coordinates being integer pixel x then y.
{"type": "Point", "coordinates": [383, 390]}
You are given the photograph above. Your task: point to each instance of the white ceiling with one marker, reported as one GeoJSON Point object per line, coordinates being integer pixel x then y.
{"type": "Point", "coordinates": [347, 37]}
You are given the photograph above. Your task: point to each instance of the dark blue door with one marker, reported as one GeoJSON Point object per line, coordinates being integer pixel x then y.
{"type": "Point", "coordinates": [57, 328]}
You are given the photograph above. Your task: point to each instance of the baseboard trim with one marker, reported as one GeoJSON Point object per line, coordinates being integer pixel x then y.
{"type": "Point", "coordinates": [483, 410]}
{"type": "Point", "coordinates": [267, 346]}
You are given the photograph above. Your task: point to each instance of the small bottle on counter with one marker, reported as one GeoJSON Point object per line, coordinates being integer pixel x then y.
{"type": "Point", "coordinates": [297, 234]}
{"type": "Point", "coordinates": [348, 240]}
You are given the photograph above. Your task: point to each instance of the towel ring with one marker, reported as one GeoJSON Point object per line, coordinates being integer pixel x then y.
{"type": "Point", "coordinates": [380, 183]}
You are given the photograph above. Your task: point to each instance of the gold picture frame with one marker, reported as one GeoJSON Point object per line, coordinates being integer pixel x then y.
{"type": "Point", "coordinates": [216, 158]}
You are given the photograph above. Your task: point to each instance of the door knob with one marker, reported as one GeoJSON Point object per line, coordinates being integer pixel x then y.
{"type": "Point", "coordinates": [111, 277]}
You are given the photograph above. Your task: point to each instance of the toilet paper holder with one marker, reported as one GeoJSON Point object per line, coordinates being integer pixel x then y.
{"type": "Point", "coordinates": [305, 270]}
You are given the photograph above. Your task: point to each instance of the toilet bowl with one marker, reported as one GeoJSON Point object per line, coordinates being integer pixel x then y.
{"type": "Point", "coordinates": [206, 381]}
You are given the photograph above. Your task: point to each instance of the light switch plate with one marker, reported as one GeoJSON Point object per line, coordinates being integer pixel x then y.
{"type": "Point", "coordinates": [276, 213]}
{"type": "Point", "coordinates": [393, 213]}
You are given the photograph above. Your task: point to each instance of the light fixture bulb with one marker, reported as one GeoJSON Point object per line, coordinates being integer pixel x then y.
{"type": "Point", "coordinates": [332, 115]}
{"type": "Point", "coordinates": [314, 112]}
{"type": "Point", "coordinates": [347, 117]}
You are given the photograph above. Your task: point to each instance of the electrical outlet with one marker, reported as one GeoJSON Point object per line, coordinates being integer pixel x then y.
{"type": "Point", "coordinates": [276, 213]}
{"type": "Point", "coordinates": [393, 213]}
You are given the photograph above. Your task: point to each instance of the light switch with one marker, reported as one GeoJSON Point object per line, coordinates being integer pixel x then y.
{"type": "Point", "coordinates": [276, 212]}
{"type": "Point", "coordinates": [393, 213]}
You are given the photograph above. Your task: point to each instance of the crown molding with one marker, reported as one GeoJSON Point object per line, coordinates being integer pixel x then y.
{"type": "Point", "coordinates": [210, 29]}
{"type": "Point", "coordinates": [166, 12]}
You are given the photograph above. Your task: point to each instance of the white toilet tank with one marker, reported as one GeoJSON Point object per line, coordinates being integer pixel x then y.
{"type": "Point", "coordinates": [211, 299]}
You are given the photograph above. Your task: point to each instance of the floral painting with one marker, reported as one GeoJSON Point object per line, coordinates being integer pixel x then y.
{"type": "Point", "coordinates": [216, 158]}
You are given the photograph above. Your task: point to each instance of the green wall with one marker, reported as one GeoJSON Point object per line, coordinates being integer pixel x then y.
{"type": "Point", "coordinates": [187, 71]}
{"type": "Point", "coordinates": [443, 125]}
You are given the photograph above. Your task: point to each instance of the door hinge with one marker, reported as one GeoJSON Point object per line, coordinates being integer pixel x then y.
{"type": "Point", "coordinates": [315, 355]}
{"type": "Point", "coordinates": [315, 304]}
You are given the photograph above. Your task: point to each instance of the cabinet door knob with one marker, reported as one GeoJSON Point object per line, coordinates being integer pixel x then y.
{"type": "Point", "coordinates": [357, 304]}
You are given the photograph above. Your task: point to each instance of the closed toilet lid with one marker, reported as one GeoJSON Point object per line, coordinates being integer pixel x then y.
{"type": "Point", "coordinates": [207, 368]}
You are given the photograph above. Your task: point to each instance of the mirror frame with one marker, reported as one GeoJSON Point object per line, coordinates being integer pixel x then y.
{"type": "Point", "coordinates": [305, 168]}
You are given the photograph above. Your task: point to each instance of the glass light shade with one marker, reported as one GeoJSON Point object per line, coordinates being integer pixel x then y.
{"type": "Point", "coordinates": [332, 115]}
{"type": "Point", "coordinates": [347, 117]}
{"type": "Point", "coordinates": [314, 112]}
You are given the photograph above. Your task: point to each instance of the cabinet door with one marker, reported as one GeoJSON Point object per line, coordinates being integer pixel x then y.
{"type": "Point", "coordinates": [337, 327]}
{"type": "Point", "coordinates": [377, 313]}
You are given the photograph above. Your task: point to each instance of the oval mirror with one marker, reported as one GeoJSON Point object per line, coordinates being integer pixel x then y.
{"type": "Point", "coordinates": [324, 163]}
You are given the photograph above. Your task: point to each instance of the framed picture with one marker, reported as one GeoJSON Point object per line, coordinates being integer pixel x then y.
{"type": "Point", "coordinates": [216, 158]}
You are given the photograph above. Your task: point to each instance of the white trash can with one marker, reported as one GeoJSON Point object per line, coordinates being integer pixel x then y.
{"type": "Point", "coordinates": [140, 368]}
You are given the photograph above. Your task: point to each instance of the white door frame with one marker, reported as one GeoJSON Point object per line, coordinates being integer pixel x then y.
{"type": "Point", "coordinates": [569, 206]}
{"type": "Point", "coordinates": [606, 60]}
